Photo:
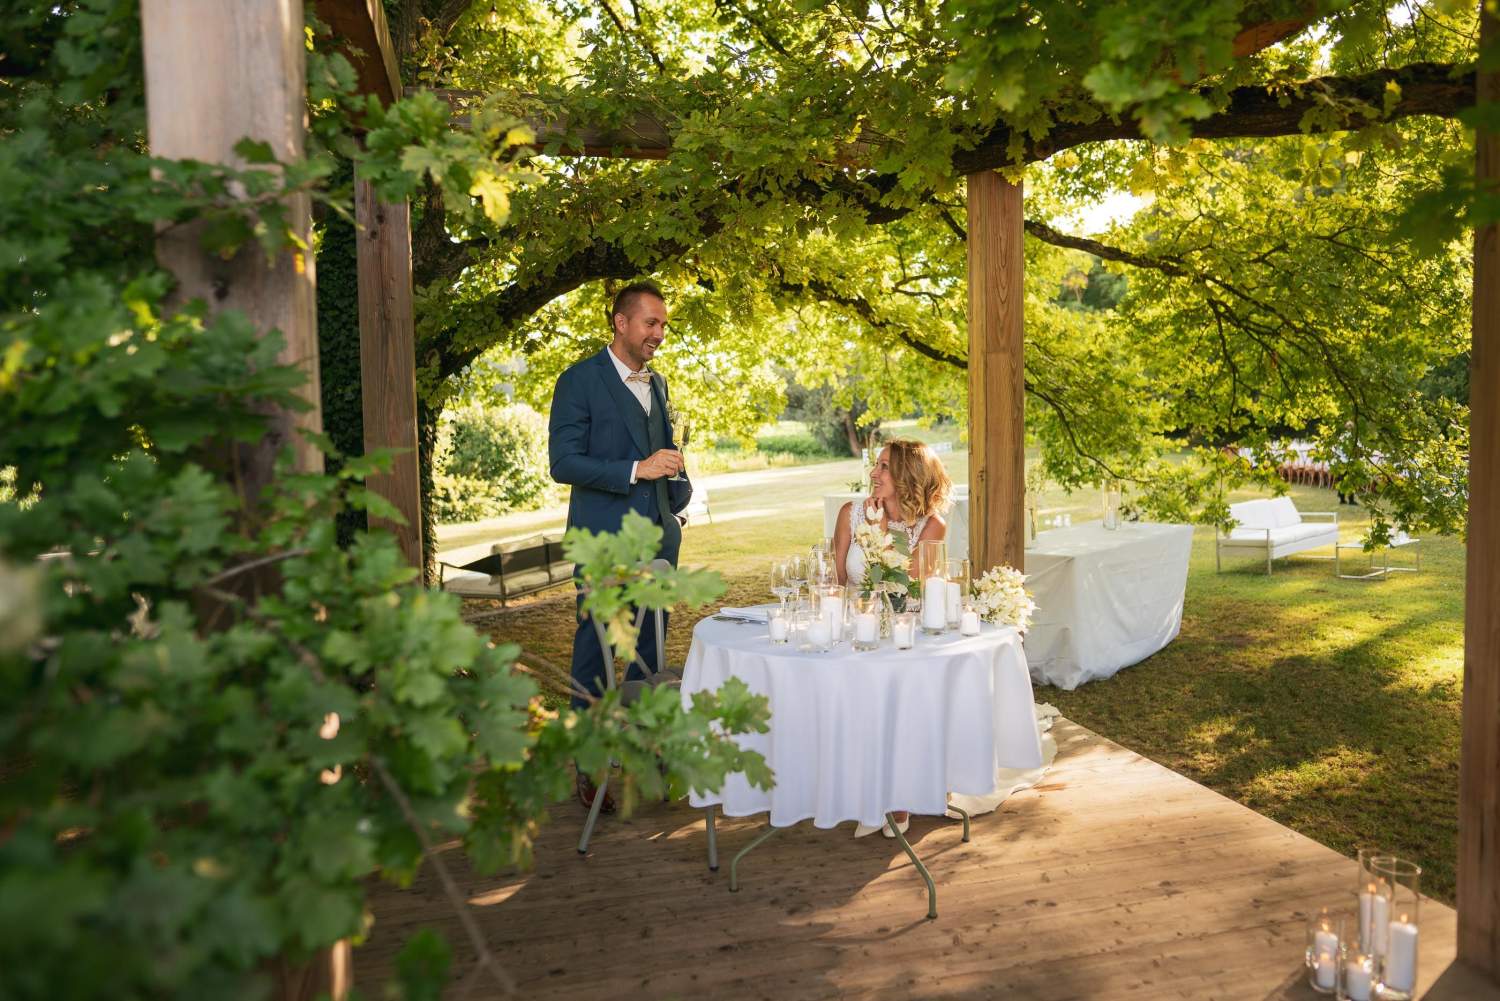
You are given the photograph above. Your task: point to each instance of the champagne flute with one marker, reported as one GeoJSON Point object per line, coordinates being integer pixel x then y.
{"type": "Point", "coordinates": [797, 571]}
{"type": "Point", "coordinates": [781, 581]}
{"type": "Point", "coordinates": [682, 430]}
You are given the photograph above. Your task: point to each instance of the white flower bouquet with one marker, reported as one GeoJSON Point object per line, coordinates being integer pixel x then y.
{"type": "Point", "coordinates": [886, 561]}
{"type": "Point", "coordinates": [1003, 599]}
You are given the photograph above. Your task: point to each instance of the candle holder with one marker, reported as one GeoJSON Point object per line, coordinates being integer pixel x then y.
{"type": "Point", "coordinates": [865, 611]}
{"type": "Point", "coordinates": [1112, 505]}
{"type": "Point", "coordinates": [1369, 903]}
{"type": "Point", "coordinates": [969, 618]}
{"type": "Point", "coordinates": [1399, 885]}
{"type": "Point", "coordinates": [831, 606]}
{"type": "Point", "coordinates": [1356, 975]}
{"type": "Point", "coordinates": [904, 630]}
{"type": "Point", "coordinates": [1324, 938]}
{"type": "Point", "coordinates": [957, 572]}
{"type": "Point", "coordinates": [780, 622]}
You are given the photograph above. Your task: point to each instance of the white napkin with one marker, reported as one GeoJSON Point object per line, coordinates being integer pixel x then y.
{"type": "Point", "coordinates": [748, 614]}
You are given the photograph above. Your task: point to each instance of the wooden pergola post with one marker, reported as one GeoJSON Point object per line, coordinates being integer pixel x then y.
{"type": "Point", "coordinates": [997, 395]}
{"type": "Point", "coordinates": [215, 74]}
{"type": "Point", "coordinates": [1479, 768]}
{"type": "Point", "coordinates": [388, 359]}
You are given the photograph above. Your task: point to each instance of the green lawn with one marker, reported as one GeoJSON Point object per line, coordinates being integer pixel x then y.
{"type": "Point", "coordinates": [1329, 705]}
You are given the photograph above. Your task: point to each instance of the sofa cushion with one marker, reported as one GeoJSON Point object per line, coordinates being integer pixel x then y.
{"type": "Point", "coordinates": [1284, 512]}
{"type": "Point", "coordinates": [1285, 535]}
{"type": "Point", "coordinates": [1253, 514]}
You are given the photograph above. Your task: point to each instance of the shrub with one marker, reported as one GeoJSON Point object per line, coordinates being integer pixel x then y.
{"type": "Point", "coordinates": [492, 460]}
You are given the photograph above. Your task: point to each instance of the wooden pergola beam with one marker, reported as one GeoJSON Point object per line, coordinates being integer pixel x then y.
{"type": "Point", "coordinates": [364, 36]}
{"type": "Point", "coordinates": [1479, 759]}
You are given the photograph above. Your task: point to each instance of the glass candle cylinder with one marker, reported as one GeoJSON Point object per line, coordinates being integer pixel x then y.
{"type": "Point", "coordinates": [957, 572]}
{"type": "Point", "coordinates": [1399, 885]}
{"type": "Point", "coordinates": [780, 623]}
{"type": "Point", "coordinates": [831, 606]}
{"type": "Point", "coordinates": [1323, 951]}
{"type": "Point", "coordinates": [814, 632]}
{"type": "Point", "coordinates": [968, 622]}
{"type": "Point", "coordinates": [1370, 903]}
{"type": "Point", "coordinates": [1356, 975]}
{"type": "Point", "coordinates": [904, 630]}
{"type": "Point", "coordinates": [864, 616]}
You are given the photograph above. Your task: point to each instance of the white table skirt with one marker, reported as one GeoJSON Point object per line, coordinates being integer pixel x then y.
{"type": "Point", "coordinates": [957, 519]}
{"type": "Point", "coordinates": [1105, 600]}
{"type": "Point", "coordinates": [855, 735]}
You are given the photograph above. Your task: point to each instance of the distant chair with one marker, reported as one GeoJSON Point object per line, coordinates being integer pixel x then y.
{"type": "Point", "coordinates": [699, 504]}
{"type": "Point", "coordinates": [510, 570]}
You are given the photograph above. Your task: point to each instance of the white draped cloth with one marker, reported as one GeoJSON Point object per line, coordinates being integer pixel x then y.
{"type": "Point", "coordinates": [856, 735]}
{"type": "Point", "coordinates": [1104, 599]}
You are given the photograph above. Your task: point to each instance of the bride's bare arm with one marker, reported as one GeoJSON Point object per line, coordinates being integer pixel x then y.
{"type": "Point", "coordinates": [841, 542]}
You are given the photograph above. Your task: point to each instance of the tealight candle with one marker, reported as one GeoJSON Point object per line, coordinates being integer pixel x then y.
{"type": "Point", "coordinates": [934, 604]}
{"type": "Point", "coordinates": [820, 632]}
{"type": "Point", "coordinates": [779, 626]}
{"type": "Point", "coordinates": [903, 630]}
{"type": "Point", "coordinates": [866, 627]}
{"type": "Point", "coordinates": [1400, 970]}
{"type": "Point", "coordinates": [969, 624]}
{"type": "Point", "coordinates": [1358, 983]}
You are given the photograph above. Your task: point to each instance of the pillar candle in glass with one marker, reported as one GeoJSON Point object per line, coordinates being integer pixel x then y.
{"type": "Point", "coordinates": [1356, 975]}
{"type": "Point", "coordinates": [968, 622]}
{"type": "Point", "coordinates": [780, 624]}
{"type": "Point", "coordinates": [958, 589]}
{"type": "Point", "coordinates": [864, 615]}
{"type": "Point", "coordinates": [904, 630]}
{"type": "Point", "coordinates": [1396, 966]}
{"type": "Point", "coordinates": [1372, 904]}
{"type": "Point", "coordinates": [831, 605]}
{"type": "Point", "coordinates": [1322, 957]}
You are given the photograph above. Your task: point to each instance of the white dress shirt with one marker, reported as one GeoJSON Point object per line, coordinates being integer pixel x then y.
{"type": "Point", "coordinates": [641, 391]}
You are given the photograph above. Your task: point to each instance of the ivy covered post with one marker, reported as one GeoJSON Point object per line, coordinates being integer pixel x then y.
{"type": "Point", "coordinates": [997, 442]}
{"type": "Point", "coordinates": [216, 75]}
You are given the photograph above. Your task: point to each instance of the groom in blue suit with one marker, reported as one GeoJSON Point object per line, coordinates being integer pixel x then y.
{"type": "Point", "coordinates": [610, 440]}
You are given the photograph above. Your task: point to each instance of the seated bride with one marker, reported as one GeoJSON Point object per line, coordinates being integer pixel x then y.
{"type": "Point", "coordinates": [909, 488]}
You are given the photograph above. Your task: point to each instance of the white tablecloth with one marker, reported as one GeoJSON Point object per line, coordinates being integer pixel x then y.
{"type": "Point", "coordinates": [1105, 600]}
{"type": "Point", "coordinates": [957, 519]}
{"type": "Point", "coordinates": [854, 735]}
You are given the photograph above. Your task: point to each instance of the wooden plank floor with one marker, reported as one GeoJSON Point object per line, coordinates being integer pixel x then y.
{"type": "Point", "coordinates": [1116, 878]}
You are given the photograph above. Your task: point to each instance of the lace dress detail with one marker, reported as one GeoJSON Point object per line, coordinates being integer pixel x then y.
{"type": "Point", "coordinates": [854, 562]}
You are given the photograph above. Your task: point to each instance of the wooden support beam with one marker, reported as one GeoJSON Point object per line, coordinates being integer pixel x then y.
{"type": "Point", "coordinates": [388, 359]}
{"type": "Point", "coordinates": [1479, 763]}
{"type": "Point", "coordinates": [365, 39]}
{"type": "Point", "coordinates": [215, 74]}
{"type": "Point", "coordinates": [997, 443]}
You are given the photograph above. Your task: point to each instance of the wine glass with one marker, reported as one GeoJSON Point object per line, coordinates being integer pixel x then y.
{"type": "Point", "coordinates": [781, 581]}
{"type": "Point", "coordinates": [797, 571]}
{"type": "Point", "coordinates": [682, 430]}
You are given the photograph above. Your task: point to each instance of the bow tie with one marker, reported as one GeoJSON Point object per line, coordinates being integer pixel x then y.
{"type": "Point", "coordinates": [638, 377]}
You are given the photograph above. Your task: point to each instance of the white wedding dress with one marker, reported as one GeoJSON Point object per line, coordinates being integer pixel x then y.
{"type": "Point", "coordinates": [854, 562]}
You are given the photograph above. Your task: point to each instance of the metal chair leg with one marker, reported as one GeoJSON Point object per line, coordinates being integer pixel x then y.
{"type": "Point", "coordinates": [588, 826]}
{"type": "Point", "coordinates": [931, 888]}
{"type": "Point", "coordinates": [734, 865]}
{"type": "Point", "coordinates": [713, 839]}
{"type": "Point", "coordinates": [965, 815]}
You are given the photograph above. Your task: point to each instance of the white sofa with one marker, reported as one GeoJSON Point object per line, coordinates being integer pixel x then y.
{"type": "Point", "coordinates": [1271, 529]}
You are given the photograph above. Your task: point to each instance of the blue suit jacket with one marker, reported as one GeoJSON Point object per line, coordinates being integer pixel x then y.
{"type": "Point", "coordinates": [594, 434]}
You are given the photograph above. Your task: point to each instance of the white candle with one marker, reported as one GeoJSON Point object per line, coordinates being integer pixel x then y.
{"type": "Point", "coordinates": [1401, 956]}
{"type": "Point", "coordinates": [866, 627]}
{"type": "Point", "coordinates": [832, 607]}
{"type": "Point", "coordinates": [1366, 905]}
{"type": "Point", "coordinates": [820, 631]}
{"type": "Point", "coordinates": [955, 600]}
{"type": "Point", "coordinates": [1380, 916]}
{"type": "Point", "coordinates": [969, 625]}
{"type": "Point", "coordinates": [778, 628]}
{"type": "Point", "coordinates": [934, 603]}
{"type": "Point", "coordinates": [1325, 970]}
{"type": "Point", "coordinates": [1357, 981]}
{"type": "Point", "coordinates": [901, 634]}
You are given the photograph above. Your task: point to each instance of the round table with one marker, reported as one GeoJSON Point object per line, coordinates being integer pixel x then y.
{"type": "Point", "coordinates": [854, 735]}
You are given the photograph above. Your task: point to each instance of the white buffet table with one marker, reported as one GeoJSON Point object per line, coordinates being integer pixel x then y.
{"type": "Point", "coordinates": [957, 518]}
{"type": "Point", "coordinates": [855, 735]}
{"type": "Point", "coordinates": [1105, 600]}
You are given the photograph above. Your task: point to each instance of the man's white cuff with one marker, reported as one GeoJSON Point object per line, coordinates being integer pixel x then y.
{"type": "Point", "coordinates": [633, 467]}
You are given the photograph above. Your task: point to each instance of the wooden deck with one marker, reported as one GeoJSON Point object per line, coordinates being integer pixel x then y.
{"type": "Point", "coordinates": [1116, 878]}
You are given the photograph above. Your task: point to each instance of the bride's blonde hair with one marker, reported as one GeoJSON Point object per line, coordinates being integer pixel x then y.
{"type": "Point", "coordinates": [922, 484]}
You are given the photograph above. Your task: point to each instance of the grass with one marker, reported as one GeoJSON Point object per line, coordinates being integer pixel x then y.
{"type": "Point", "coordinates": [1331, 706]}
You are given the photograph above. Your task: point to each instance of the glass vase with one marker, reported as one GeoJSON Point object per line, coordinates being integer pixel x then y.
{"type": "Point", "coordinates": [1324, 948]}
{"type": "Point", "coordinates": [1394, 925]}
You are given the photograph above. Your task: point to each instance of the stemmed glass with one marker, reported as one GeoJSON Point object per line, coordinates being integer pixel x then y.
{"type": "Point", "coordinates": [781, 581]}
{"type": "Point", "coordinates": [796, 567]}
{"type": "Point", "coordinates": [682, 430]}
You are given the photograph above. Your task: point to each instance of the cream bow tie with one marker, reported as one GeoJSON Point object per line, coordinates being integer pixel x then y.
{"type": "Point", "coordinates": [638, 377]}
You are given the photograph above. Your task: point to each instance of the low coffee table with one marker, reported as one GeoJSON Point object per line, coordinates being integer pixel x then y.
{"type": "Point", "coordinates": [1383, 570]}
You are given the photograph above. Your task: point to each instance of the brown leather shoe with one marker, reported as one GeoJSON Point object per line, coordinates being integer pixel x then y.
{"type": "Point", "coordinates": [587, 791]}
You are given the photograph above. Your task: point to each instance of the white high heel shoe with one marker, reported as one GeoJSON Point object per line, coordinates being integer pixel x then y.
{"type": "Point", "coordinates": [902, 826]}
